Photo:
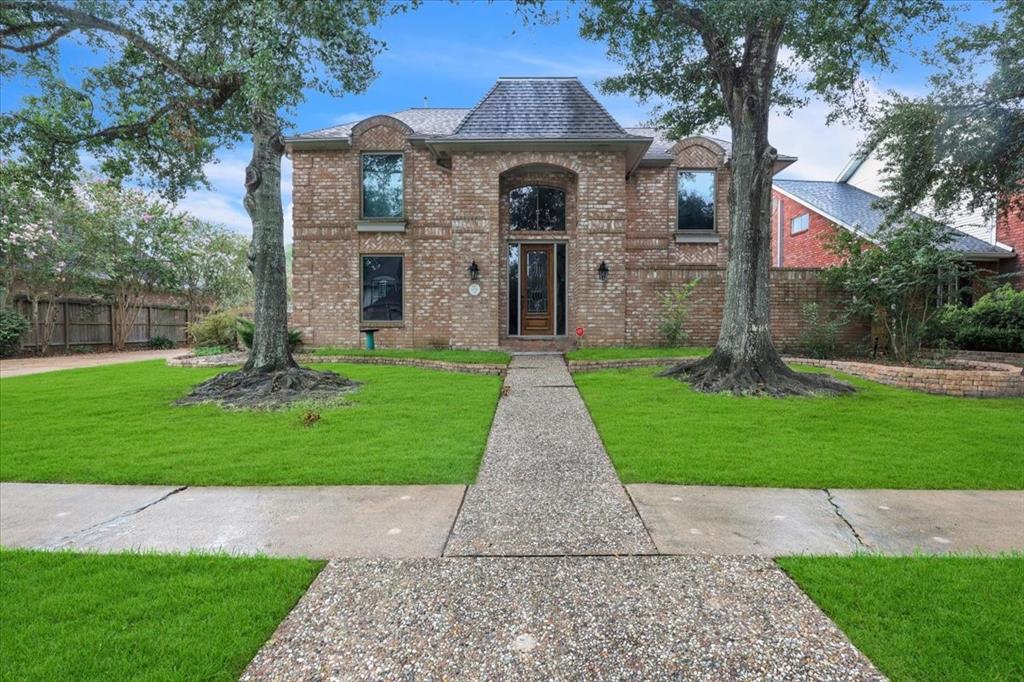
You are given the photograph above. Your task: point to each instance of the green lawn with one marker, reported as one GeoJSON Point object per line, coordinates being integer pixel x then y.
{"type": "Point", "coordinates": [924, 618]}
{"type": "Point", "coordinates": [67, 616]}
{"type": "Point", "coordinates": [633, 353]}
{"type": "Point", "coordinates": [661, 431]}
{"type": "Point", "coordinates": [116, 424]}
{"type": "Point", "coordinates": [472, 357]}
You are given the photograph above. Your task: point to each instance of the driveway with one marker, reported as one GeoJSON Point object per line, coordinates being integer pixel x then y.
{"type": "Point", "coordinates": [53, 363]}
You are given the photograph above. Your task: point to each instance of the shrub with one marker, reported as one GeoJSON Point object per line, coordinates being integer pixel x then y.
{"type": "Point", "coordinates": [819, 337]}
{"type": "Point", "coordinates": [246, 328]}
{"type": "Point", "coordinates": [216, 329]}
{"type": "Point", "coordinates": [994, 323]}
{"type": "Point", "coordinates": [894, 285]}
{"type": "Point", "coordinates": [674, 309]}
{"type": "Point", "coordinates": [203, 351]}
{"type": "Point", "coordinates": [161, 342]}
{"type": "Point", "coordinates": [12, 326]}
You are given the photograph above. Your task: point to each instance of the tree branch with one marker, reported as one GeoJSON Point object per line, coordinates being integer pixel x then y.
{"type": "Point", "coordinates": [39, 44]}
{"type": "Point", "coordinates": [715, 46]}
{"type": "Point", "coordinates": [74, 19]}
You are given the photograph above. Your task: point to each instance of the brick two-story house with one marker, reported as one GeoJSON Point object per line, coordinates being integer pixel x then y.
{"type": "Point", "coordinates": [512, 224]}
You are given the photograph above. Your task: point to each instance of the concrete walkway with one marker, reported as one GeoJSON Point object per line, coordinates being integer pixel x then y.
{"type": "Point", "coordinates": [546, 486]}
{"type": "Point", "coordinates": [416, 521]}
{"type": "Point", "coordinates": [779, 521]}
{"type": "Point", "coordinates": [323, 522]}
{"type": "Point", "coordinates": [52, 363]}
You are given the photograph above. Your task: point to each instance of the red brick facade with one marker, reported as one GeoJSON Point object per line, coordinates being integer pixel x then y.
{"type": "Point", "coordinates": [807, 249]}
{"type": "Point", "coordinates": [1010, 232]}
{"type": "Point", "coordinates": [457, 213]}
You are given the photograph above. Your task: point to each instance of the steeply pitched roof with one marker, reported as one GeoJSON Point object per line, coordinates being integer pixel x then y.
{"type": "Point", "coordinates": [539, 108]}
{"type": "Point", "coordinates": [423, 121]}
{"type": "Point", "coordinates": [855, 209]}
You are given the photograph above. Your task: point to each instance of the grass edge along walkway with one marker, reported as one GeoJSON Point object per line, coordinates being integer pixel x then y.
{"type": "Point", "coordinates": [924, 617]}
{"type": "Point", "coordinates": [141, 616]}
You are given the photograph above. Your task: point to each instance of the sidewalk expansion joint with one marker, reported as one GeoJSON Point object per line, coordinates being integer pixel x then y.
{"type": "Point", "coordinates": [839, 513]}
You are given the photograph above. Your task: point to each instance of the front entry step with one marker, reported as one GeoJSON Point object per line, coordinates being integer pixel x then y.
{"type": "Point", "coordinates": [559, 344]}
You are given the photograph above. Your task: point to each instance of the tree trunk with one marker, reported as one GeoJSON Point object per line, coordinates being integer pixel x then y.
{"type": "Point", "coordinates": [744, 360]}
{"type": "Point", "coordinates": [271, 378]}
{"type": "Point", "coordinates": [269, 351]}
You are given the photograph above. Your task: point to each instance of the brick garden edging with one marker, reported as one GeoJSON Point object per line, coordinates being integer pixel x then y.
{"type": "Point", "coordinates": [981, 379]}
{"type": "Point", "coordinates": [978, 356]}
{"type": "Point", "coordinates": [234, 359]}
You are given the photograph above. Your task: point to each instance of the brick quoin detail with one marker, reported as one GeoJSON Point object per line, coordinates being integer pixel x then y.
{"type": "Point", "coordinates": [456, 215]}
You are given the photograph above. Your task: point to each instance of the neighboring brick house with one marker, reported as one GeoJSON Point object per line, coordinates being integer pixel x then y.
{"type": "Point", "coordinates": [806, 214]}
{"type": "Point", "coordinates": [512, 224]}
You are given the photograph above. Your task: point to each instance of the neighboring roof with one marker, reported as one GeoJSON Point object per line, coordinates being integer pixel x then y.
{"type": "Point", "coordinates": [855, 210]}
{"type": "Point", "coordinates": [423, 121]}
{"type": "Point", "coordinates": [851, 167]}
{"type": "Point", "coordinates": [539, 108]}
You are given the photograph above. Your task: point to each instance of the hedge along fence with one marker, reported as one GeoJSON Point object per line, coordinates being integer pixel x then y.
{"type": "Point", "coordinates": [81, 322]}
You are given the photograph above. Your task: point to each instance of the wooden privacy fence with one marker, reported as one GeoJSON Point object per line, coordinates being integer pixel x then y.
{"type": "Point", "coordinates": [90, 323]}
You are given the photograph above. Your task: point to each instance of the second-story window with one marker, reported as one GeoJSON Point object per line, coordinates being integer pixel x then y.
{"type": "Point", "coordinates": [536, 208]}
{"type": "Point", "coordinates": [695, 192]}
{"type": "Point", "coordinates": [383, 195]}
{"type": "Point", "coordinates": [800, 223]}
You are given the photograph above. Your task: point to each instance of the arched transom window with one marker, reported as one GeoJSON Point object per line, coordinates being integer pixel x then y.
{"type": "Point", "coordinates": [536, 208]}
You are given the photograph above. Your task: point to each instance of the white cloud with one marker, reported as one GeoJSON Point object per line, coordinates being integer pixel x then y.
{"type": "Point", "coordinates": [822, 150]}
{"type": "Point", "coordinates": [217, 207]}
{"type": "Point", "coordinates": [351, 117]}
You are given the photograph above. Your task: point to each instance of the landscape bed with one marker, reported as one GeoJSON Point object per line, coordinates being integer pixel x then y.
{"type": "Point", "coordinates": [117, 424]}
{"type": "Point", "coordinates": [104, 617]}
{"type": "Point", "coordinates": [924, 618]}
{"type": "Point", "coordinates": [659, 430]}
{"type": "Point", "coordinates": [469, 357]}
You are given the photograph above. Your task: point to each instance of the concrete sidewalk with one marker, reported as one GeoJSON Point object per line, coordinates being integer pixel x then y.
{"type": "Point", "coordinates": [53, 363]}
{"type": "Point", "coordinates": [778, 521]}
{"type": "Point", "coordinates": [321, 522]}
{"type": "Point", "coordinates": [416, 521]}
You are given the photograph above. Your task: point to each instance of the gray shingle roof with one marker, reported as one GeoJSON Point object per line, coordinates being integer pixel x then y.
{"type": "Point", "coordinates": [855, 209]}
{"type": "Point", "coordinates": [538, 108]}
{"type": "Point", "coordinates": [423, 121]}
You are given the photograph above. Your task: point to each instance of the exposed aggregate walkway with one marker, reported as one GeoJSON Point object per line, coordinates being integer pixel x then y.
{"type": "Point", "coordinates": [546, 486]}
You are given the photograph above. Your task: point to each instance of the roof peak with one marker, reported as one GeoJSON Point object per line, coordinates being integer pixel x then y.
{"type": "Point", "coordinates": [538, 78]}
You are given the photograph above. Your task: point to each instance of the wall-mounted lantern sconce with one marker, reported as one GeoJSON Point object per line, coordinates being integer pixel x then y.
{"type": "Point", "coordinates": [474, 272]}
{"type": "Point", "coordinates": [602, 271]}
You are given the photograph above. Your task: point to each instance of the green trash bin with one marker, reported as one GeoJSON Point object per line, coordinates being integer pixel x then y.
{"type": "Point", "coordinates": [370, 345]}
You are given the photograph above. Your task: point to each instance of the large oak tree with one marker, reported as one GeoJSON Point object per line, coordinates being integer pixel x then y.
{"type": "Point", "coordinates": [715, 62]}
{"type": "Point", "coordinates": [175, 82]}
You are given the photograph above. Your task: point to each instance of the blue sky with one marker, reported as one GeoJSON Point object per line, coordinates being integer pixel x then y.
{"type": "Point", "coordinates": [451, 54]}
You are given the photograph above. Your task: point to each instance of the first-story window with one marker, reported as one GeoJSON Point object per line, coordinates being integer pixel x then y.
{"type": "Point", "coordinates": [383, 195]}
{"type": "Point", "coordinates": [695, 195]}
{"type": "Point", "coordinates": [800, 223]}
{"type": "Point", "coordinates": [382, 288]}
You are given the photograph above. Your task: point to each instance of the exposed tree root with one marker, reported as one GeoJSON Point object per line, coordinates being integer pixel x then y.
{"type": "Point", "coordinates": [269, 390]}
{"type": "Point", "coordinates": [719, 373]}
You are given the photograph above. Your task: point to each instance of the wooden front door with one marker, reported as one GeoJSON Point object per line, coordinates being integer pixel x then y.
{"type": "Point", "coordinates": [538, 290]}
